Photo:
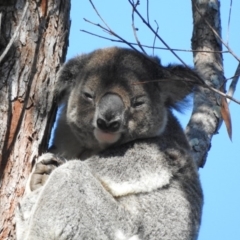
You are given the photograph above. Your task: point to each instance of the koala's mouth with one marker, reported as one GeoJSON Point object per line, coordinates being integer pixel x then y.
{"type": "Point", "coordinates": [106, 137]}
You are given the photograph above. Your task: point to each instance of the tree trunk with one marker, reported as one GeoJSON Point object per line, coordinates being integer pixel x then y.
{"type": "Point", "coordinates": [33, 44]}
{"type": "Point", "coordinates": [206, 117]}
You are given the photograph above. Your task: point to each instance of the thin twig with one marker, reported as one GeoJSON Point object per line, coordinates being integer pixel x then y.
{"type": "Point", "coordinates": [186, 80]}
{"type": "Point", "coordinates": [134, 28]}
{"type": "Point", "coordinates": [164, 43]}
{"type": "Point", "coordinates": [154, 40]}
{"type": "Point", "coordinates": [227, 79]}
{"type": "Point", "coordinates": [13, 38]}
{"type": "Point", "coordinates": [109, 31]}
{"type": "Point", "coordinates": [234, 82]}
{"type": "Point", "coordinates": [222, 94]}
{"type": "Point", "coordinates": [217, 35]}
{"type": "Point", "coordinates": [164, 80]}
{"type": "Point", "coordinates": [148, 12]}
{"type": "Point", "coordinates": [95, 9]}
{"type": "Point", "coordinates": [229, 18]}
{"type": "Point", "coordinates": [147, 46]}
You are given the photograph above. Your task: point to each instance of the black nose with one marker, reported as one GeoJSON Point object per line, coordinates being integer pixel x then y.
{"type": "Point", "coordinates": [110, 112]}
{"type": "Point", "coordinates": [111, 126]}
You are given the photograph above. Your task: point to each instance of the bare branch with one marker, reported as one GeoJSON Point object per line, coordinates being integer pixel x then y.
{"type": "Point", "coordinates": [95, 9]}
{"type": "Point", "coordinates": [156, 34]}
{"type": "Point", "coordinates": [229, 18]}
{"type": "Point", "coordinates": [107, 28]}
{"type": "Point", "coordinates": [164, 80]}
{"type": "Point", "coordinates": [223, 94]}
{"type": "Point", "coordinates": [134, 28]}
{"type": "Point", "coordinates": [234, 82]}
{"type": "Point", "coordinates": [148, 11]}
{"type": "Point", "coordinates": [109, 31]}
{"type": "Point", "coordinates": [227, 79]}
{"type": "Point", "coordinates": [168, 47]}
{"type": "Point", "coordinates": [200, 84]}
{"type": "Point", "coordinates": [147, 46]}
{"type": "Point", "coordinates": [109, 39]}
{"type": "Point", "coordinates": [154, 40]}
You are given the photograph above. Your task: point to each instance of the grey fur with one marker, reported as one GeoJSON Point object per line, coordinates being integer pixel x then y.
{"type": "Point", "coordinates": [138, 180]}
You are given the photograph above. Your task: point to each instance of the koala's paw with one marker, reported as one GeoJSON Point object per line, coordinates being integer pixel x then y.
{"type": "Point", "coordinates": [43, 168]}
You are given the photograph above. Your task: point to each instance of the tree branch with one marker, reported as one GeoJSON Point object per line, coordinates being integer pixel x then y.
{"type": "Point", "coordinates": [156, 34]}
{"type": "Point", "coordinates": [154, 40]}
{"type": "Point", "coordinates": [147, 46]}
{"type": "Point", "coordinates": [109, 31]}
{"type": "Point", "coordinates": [134, 28]}
{"type": "Point", "coordinates": [229, 18]}
{"type": "Point", "coordinates": [234, 82]}
{"type": "Point", "coordinates": [206, 117]}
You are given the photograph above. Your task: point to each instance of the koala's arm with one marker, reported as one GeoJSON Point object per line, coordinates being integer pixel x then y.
{"type": "Point", "coordinates": [74, 205]}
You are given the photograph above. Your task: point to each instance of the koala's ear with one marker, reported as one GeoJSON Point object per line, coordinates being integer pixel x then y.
{"type": "Point", "coordinates": [67, 76]}
{"type": "Point", "coordinates": [179, 82]}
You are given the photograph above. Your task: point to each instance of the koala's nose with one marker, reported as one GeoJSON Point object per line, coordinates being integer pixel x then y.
{"type": "Point", "coordinates": [105, 125]}
{"type": "Point", "coordinates": [110, 113]}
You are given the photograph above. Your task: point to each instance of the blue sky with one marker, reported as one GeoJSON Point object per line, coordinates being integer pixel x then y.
{"type": "Point", "coordinates": [221, 175]}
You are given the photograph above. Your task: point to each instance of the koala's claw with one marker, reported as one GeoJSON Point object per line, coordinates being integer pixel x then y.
{"type": "Point", "coordinates": [43, 168]}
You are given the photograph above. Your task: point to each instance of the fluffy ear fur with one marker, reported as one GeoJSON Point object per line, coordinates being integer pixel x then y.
{"type": "Point", "coordinates": [68, 74]}
{"type": "Point", "coordinates": [178, 82]}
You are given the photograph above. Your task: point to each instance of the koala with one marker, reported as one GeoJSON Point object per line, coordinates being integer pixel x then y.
{"type": "Point", "coordinates": [120, 166]}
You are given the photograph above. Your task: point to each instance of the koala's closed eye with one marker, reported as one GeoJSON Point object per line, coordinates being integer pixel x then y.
{"type": "Point", "coordinates": [88, 96]}
{"type": "Point", "coordinates": [138, 102]}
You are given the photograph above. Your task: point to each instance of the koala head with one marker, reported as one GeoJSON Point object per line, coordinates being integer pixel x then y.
{"type": "Point", "coordinates": [116, 95]}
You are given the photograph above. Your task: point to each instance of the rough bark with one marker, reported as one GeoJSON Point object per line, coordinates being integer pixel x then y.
{"type": "Point", "coordinates": [38, 31]}
{"type": "Point", "coordinates": [206, 117]}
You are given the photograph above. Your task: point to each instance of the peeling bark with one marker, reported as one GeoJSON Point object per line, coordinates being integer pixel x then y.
{"type": "Point", "coordinates": [206, 117]}
{"type": "Point", "coordinates": [27, 77]}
